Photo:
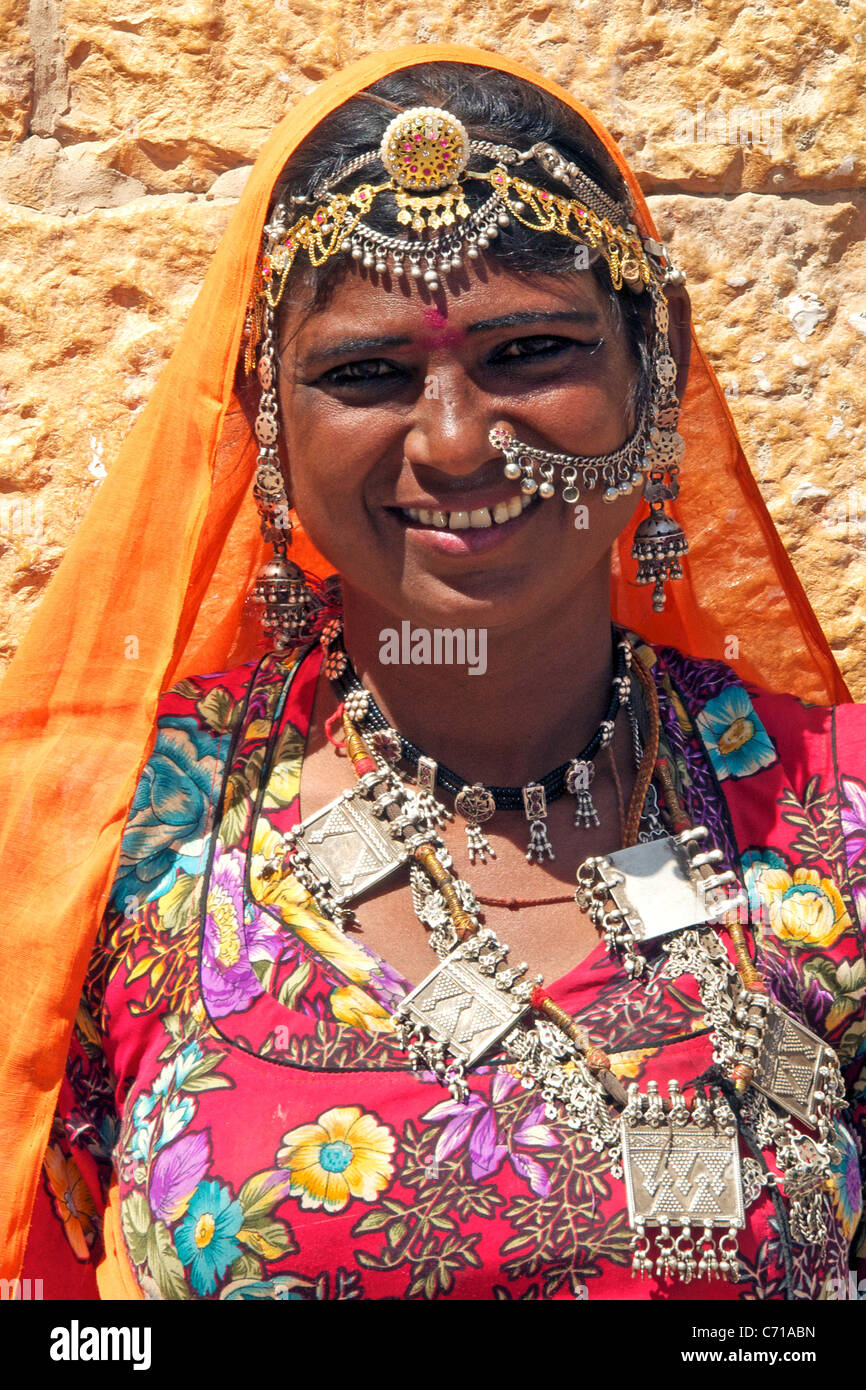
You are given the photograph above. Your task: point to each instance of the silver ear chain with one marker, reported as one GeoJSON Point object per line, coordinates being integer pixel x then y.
{"type": "Point", "coordinates": [651, 455]}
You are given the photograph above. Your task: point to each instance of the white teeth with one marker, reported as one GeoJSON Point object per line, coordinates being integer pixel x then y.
{"type": "Point", "coordinates": [479, 519]}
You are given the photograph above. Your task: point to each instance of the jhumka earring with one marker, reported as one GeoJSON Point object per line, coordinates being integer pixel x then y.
{"type": "Point", "coordinates": [652, 454]}
{"type": "Point", "coordinates": [293, 603]}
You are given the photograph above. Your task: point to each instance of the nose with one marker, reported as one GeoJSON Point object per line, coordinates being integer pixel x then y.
{"type": "Point", "coordinates": [449, 427]}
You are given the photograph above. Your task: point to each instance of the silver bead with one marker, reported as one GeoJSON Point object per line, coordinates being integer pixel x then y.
{"type": "Point", "coordinates": [610, 494]}
{"type": "Point", "coordinates": [345, 244]}
{"type": "Point", "coordinates": [357, 253]}
{"type": "Point", "coordinates": [415, 270]}
{"type": "Point", "coordinates": [547, 490]}
{"type": "Point", "coordinates": [431, 277]}
{"type": "Point", "coordinates": [504, 220]}
{"type": "Point", "coordinates": [456, 263]}
{"type": "Point", "coordinates": [367, 261]}
{"type": "Point", "coordinates": [381, 267]}
{"type": "Point", "coordinates": [483, 242]}
{"type": "Point", "coordinates": [472, 253]}
{"type": "Point", "coordinates": [529, 486]}
{"type": "Point", "coordinates": [512, 470]}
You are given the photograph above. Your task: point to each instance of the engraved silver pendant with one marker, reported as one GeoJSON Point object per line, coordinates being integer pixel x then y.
{"type": "Point", "coordinates": [463, 1008]}
{"type": "Point", "coordinates": [578, 780]}
{"type": "Point", "coordinates": [342, 851]}
{"type": "Point", "coordinates": [476, 805]}
{"type": "Point", "coordinates": [683, 1181]}
{"type": "Point", "coordinates": [795, 1069]}
{"type": "Point", "coordinates": [535, 808]}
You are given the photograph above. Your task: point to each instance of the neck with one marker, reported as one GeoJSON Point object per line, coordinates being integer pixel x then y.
{"type": "Point", "coordinates": [544, 690]}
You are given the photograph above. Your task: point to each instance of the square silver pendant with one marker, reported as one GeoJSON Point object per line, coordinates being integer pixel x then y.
{"type": "Point", "coordinates": [463, 1008]}
{"type": "Point", "coordinates": [788, 1069]}
{"type": "Point", "coordinates": [682, 1175]}
{"type": "Point", "coordinates": [349, 849]}
{"type": "Point", "coordinates": [652, 885]}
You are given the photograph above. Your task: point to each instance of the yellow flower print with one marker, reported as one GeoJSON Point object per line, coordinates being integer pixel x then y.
{"type": "Point", "coordinates": [71, 1199]}
{"type": "Point", "coordinates": [626, 1065]}
{"type": "Point", "coordinates": [345, 1154]}
{"type": "Point", "coordinates": [355, 1006]}
{"type": "Point", "coordinates": [273, 884]}
{"type": "Point", "coordinates": [266, 860]}
{"type": "Point", "coordinates": [806, 909]}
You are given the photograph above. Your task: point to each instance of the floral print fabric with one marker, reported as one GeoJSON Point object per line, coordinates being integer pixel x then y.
{"type": "Point", "coordinates": [234, 1069]}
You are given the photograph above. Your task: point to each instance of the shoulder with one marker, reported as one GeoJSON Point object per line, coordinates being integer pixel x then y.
{"type": "Point", "coordinates": [735, 718]}
{"type": "Point", "coordinates": [178, 790]}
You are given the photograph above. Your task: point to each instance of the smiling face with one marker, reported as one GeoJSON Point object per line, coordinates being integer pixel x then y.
{"type": "Point", "coordinates": [386, 401]}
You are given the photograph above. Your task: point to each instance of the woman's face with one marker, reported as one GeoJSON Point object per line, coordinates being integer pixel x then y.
{"type": "Point", "coordinates": [387, 398]}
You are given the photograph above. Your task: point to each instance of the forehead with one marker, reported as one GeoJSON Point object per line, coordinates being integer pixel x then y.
{"type": "Point", "coordinates": [362, 306]}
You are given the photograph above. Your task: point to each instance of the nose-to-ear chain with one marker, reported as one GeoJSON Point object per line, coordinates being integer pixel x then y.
{"type": "Point", "coordinates": [651, 455]}
{"type": "Point", "coordinates": [536, 468]}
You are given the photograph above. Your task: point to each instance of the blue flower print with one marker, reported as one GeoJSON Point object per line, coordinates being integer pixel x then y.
{"type": "Point", "coordinates": [170, 809]}
{"type": "Point", "coordinates": [205, 1239]}
{"type": "Point", "coordinates": [733, 735]}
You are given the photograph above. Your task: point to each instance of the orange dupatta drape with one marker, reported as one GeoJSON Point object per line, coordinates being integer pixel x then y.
{"type": "Point", "coordinates": [152, 588]}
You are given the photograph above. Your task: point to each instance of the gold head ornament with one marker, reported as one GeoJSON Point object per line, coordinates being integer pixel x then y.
{"type": "Point", "coordinates": [426, 152]}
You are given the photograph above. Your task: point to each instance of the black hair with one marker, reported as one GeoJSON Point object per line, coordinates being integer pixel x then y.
{"type": "Point", "coordinates": [494, 106]}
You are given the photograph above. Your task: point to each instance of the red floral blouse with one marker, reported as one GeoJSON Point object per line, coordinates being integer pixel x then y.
{"type": "Point", "coordinates": [234, 1068]}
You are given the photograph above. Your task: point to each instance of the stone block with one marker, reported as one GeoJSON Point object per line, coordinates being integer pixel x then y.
{"type": "Point", "coordinates": [778, 298]}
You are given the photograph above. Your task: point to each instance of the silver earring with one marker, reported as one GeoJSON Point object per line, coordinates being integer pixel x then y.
{"type": "Point", "coordinates": [652, 455]}
{"type": "Point", "coordinates": [293, 603]}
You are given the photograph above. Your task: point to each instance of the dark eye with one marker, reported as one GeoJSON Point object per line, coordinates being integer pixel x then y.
{"type": "Point", "coordinates": [374, 370]}
{"type": "Point", "coordinates": [541, 347]}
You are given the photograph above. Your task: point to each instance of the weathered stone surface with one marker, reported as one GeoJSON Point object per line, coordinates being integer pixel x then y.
{"type": "Point", "coordinates": [16, 72]}
{"type": "Point", "coordinates": [778, 289]}
{"type": "Point", "coordinates": [92, 315]}
{"type": "Point", "coordinates": [40, 173]}
{"type": "Point", "coordinates": [714, 97]}
{"type": "Point", "coordinates": [743, 121]}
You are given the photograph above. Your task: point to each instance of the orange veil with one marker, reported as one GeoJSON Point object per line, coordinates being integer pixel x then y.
{"type": "Point", "coordinates": [152, 589]}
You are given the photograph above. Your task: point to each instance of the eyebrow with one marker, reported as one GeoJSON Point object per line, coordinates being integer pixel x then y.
{"type": "Point", "coordinates": [349, 346]}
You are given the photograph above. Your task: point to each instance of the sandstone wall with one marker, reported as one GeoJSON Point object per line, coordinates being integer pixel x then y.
{"type": "Point", "coordinates": [126, 131]}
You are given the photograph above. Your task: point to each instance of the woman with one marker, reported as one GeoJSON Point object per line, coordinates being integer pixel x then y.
{"type": "Point", "coordinates": [256, 1102]}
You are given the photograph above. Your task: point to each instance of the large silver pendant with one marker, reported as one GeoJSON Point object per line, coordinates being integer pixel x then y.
{"type": "Point", "coordinates": [649, 891]}
{"type": "Point", "coordinates": [683, 1181]}
{"type": "Point", "coordinates": [794, 1066]}
{"type": "Point", "coordinates": [342, 851]}
{"type": "Point", "coordinates": [462, 1009]}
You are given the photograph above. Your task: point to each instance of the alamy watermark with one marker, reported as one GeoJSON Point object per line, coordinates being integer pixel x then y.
{"type": "Point", "coordinates": [20, 1290]}
{"type": "Point", "coordinates": [441, 646]}
{"type": "Point", "coordinates": [77, 1343]}
{"type": "Point", "coordinates": [845, 517]}
{"type": "Point", "coordinates": [22, 518]}
{"type": "Point", "coordinates": [754, 127]}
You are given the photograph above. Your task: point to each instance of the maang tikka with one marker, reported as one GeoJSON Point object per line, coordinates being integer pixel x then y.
{"type": "Point", "coordinates": [294, 604]}
{"type": "Point", "coordinates": [429, 159]}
